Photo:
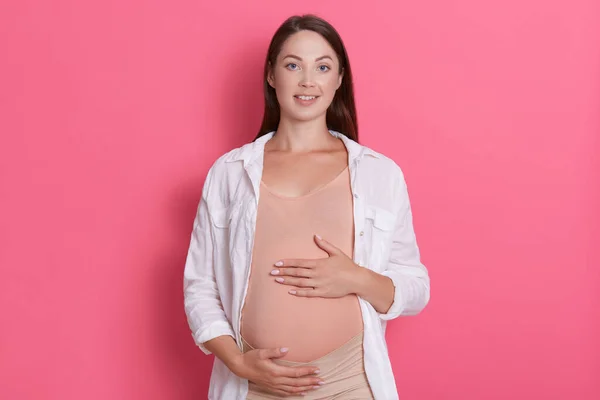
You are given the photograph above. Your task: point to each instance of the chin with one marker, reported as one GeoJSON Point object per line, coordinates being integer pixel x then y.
{"type": "Point", "coordinates": [305, 115]}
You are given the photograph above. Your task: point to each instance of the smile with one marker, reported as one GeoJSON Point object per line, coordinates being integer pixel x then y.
{"type": "Point", "coordinates": [306, 101]}
{"type": "Point", "coordinates": [306, 97]}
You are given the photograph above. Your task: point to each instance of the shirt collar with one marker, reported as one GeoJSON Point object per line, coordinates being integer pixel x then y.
{"type": "Point", "coordinates": [252, 152]}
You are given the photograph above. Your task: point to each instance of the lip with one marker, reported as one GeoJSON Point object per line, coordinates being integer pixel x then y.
{"type": "Point", "coordinates": [305, 102]}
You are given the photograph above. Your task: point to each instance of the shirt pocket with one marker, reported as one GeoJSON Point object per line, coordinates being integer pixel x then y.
{"type": "Point", "coordinates": [223, 222]}
{"type": "Point", "coordinates": [225, 217]}
{"type": "Point", "coordinates": [221, 217]}
{"type": "Point", "coordinates": [380, 224]}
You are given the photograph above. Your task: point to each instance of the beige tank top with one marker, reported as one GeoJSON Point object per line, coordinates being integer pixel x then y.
{"type": "Point", "coordinates": [310, 327]}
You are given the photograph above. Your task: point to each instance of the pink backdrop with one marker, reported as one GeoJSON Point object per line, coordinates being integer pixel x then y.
{"type": "Point", "coordinates": [112, 112]}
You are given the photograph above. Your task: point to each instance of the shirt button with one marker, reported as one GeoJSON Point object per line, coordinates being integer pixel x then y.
{"type": "Point", "coordinates": [355, 196]}
{"type": "Point", "coordinates": [362, 233]}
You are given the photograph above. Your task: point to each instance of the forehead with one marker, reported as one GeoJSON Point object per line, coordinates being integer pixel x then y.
{"type": "Point", "coordinates": [307, 45]}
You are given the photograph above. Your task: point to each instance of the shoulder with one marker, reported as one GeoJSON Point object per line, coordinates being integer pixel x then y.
{"type": "Point", "coordinates": [225, 173]}
{"type": "Point", "coordinates": [379, 164]}
{"type": "Point", "coordinates": [230, 163]}
{"type": "Point", "coordinates": [384, 181]}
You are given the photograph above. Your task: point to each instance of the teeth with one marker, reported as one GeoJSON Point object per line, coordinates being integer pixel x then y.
{"type": "Point", "coordinates": [305, 97]}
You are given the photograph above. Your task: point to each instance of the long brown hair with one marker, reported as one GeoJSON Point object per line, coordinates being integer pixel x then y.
{"type": "Point", "coordinates": [341, 114]}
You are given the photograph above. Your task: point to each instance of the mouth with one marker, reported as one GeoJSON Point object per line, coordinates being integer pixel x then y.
{"type": "Point", "coordinates": [306, 98]}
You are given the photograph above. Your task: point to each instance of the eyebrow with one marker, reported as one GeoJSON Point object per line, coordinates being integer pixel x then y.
{"type": "Point", "coordinates": [300, 59]}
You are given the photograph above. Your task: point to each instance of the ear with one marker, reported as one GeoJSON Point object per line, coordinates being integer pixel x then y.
{"type": "Point", "coordinates": [340, 78]}
{"type": "Point", "coordinates": [271, 77]}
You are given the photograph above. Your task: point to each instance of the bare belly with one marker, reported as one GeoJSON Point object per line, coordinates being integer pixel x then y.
{"type": "Point", "coordinates": [310, 327]}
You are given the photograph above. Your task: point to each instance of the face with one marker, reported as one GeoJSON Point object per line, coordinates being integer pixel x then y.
{"type": "Point", "coordinates": [305, 76]}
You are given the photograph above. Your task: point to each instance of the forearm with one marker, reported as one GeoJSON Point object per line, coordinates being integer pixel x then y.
{"type": "Point", "coordinates": [225, 349]}
{"type": "Point", "coordinates": [375, 288]}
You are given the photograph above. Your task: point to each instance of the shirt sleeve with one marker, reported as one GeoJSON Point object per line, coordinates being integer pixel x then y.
{"type": "Point", "coordinates": [203, 307]}
{"type": "Point", "coordinates": [408, 274]}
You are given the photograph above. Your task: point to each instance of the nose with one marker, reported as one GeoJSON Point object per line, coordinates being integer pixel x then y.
{"type": "Point", "coordinates": [307, 80]}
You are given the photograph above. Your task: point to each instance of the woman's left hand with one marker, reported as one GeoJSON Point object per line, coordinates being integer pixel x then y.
{"type": "Point", "coordinates": [334, 276]}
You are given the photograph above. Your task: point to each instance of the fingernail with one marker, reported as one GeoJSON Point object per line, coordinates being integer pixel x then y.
{"type": "Point", "coordinates": [292, 292]}
{"type": "Point", "coordinates": [319, 237]}
{"type": "Point", "coordinates": [284, 349]}
{"type": "Point", "coordinates": [316, 387]}
{"type": "Point", "coordinates": [321, 383]}
{"type": "Point", "coordinates": [279, 263]}
{"type": "Point", "coordinates": [275, 272]}
{"type": "Point", "coordinates": [280, 280]}
{"type": "Point", "coordinates": [316, 371]}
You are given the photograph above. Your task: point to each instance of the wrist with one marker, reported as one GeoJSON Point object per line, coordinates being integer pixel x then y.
{"type": "Point", "coordinates": [360, 280]}
{"type": "Point", "coordinates": [236, 365]}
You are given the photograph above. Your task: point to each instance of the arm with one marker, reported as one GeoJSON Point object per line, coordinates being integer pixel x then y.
{"type": "Point", "coordinates": [403, 287]}
{"type": "Point", "coordinates": [375, 288]}
{"type": "Point", "coordinates": [203, 307]}
{"type": "Point", "coordinates": [225, 348]}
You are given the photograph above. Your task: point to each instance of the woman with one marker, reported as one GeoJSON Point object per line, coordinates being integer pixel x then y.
{"type": "Point", "coordinates": [303, 245]}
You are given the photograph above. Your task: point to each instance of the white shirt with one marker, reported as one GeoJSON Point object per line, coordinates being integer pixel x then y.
{"type": "Point", "coordinates": [220, 254]}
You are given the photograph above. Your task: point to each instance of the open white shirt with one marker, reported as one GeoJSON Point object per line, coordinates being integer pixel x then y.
{"type": "Point", "coordinates": [220, 254]}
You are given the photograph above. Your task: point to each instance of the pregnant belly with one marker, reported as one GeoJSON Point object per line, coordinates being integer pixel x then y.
{"type": "Point", "coordinates": [310, 327]}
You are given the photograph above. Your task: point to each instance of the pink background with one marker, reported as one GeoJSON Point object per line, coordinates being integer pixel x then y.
{"type": "Point", "coordinates": [111, 113]}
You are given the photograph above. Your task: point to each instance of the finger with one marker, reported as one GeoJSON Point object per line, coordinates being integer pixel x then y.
{"type": "Point", "coordinates": [297, 262]}
{"type": "Point", "coordinates": [265, 354]}
{"type": "Point", "coordinates": [325, 245]}
{"type": "Point", "coordinates": [307, 292]}
{"type": "Point", "coordinates": [299, 272]}
{"type": "Point", "coordinates": [298, 382]}
{"type": "Point", "coordinates": [296, 372]}
{"type": "Point", "coordinates": [299, 282]}
{"type": "Point", "coordinates": [297, 389]}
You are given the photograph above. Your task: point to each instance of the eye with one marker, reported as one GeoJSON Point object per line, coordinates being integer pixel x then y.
{"type": "Point", "coordinates": [324, 68]}
{"type": "Point", "coordinates": [292, 65]}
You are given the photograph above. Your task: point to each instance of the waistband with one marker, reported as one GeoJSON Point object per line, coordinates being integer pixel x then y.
{"type": "Point", "coordinates": [342, 370]}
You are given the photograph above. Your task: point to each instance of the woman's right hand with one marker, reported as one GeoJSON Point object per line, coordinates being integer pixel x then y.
{"type": "Point", "coordinates": [257, 366]}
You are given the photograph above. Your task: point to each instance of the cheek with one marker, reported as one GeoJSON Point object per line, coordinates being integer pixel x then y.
{"type": "Point", "coordinates": [330, 86]}
{"type": "Point", "coordinates": [285, 82]}
{"type": "Point", "coordinates": [328, 89]}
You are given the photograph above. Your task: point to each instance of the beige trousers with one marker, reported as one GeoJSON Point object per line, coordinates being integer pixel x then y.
{"type": "Point", "coordinates": [342, 370]}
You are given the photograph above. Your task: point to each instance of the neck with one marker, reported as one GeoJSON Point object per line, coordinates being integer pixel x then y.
{"type": "Point", "coordinates": [304, 136]}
